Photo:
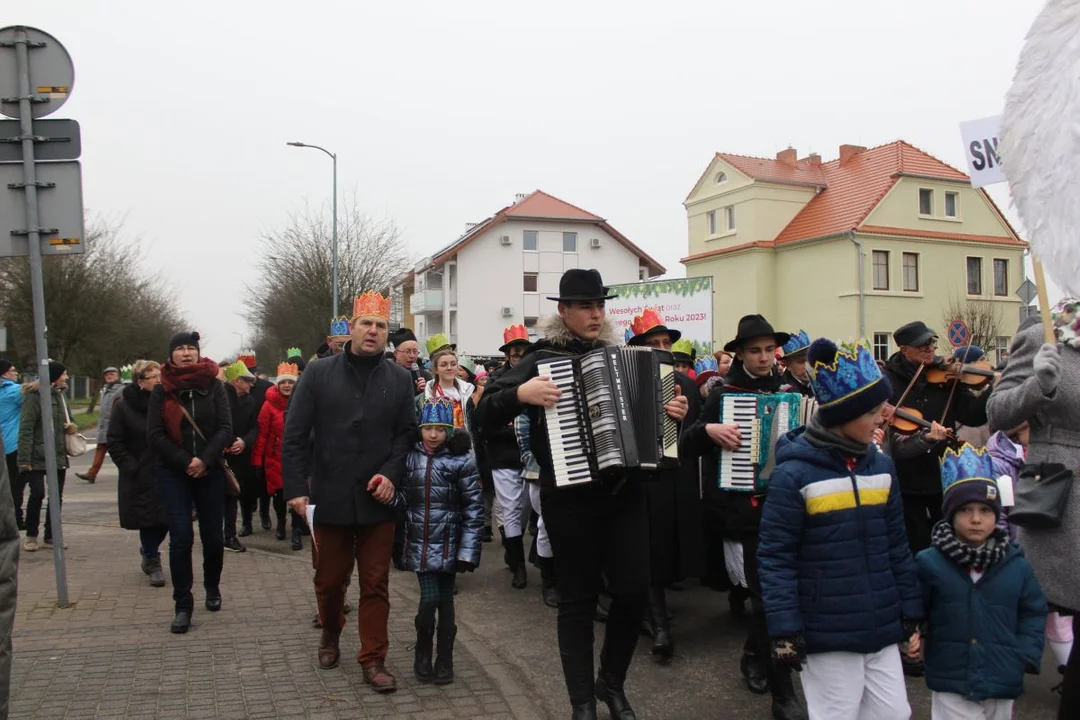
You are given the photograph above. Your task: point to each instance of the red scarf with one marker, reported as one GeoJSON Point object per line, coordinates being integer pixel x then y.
{"type": "Point", "coordinates": [175, 379]}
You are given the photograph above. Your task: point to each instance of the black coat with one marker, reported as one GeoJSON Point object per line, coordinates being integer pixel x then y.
{"type": "Point", "coordinates": [674, 502]}
{"type": "Point", "coordinates": [129, 448]}
{"type": "Point", "coordinates": [921, 475]}
{"type": "Point", "coordinates": [500, 445]}
{"type": "Point", "coordinates": [358, 433]}
{"type": "Point", "coordinates": [210, 410]}
{"type": "Point", "coordinates": [245, 421]}
{"type": "Point", "coordinates": [790, 384]}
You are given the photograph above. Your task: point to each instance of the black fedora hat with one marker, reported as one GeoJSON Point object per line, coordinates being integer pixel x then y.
{"type": "Point", "coordinates": [577, 285]}
{"type": "Point", "coordinates": [752, 326]}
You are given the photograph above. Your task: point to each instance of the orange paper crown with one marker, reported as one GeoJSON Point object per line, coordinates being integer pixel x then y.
{"type": "Point", "coordinates": [288, 370]}
{"type": "Point", "coordinates": [646, 321]}
{"type": "Point", "coordinates": [515, 332]}
{"type": "Point", "coordinates": [371, 304]}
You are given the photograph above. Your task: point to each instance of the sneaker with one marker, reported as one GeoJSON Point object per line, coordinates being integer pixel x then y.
{"type": "Point", "coordinates": [233, 545]}
{"type": "Point", "coordinates": [48, 544]}
{"type": "Point", "coordinates": [86, 476]}
{"type": "Point", "coordinates": [31, 545]}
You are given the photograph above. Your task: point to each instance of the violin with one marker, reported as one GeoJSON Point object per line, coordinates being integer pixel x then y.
{"type": "Point", "coordinates": [973, 374]}
{"type": "Point", "coordinates": [907, 421]}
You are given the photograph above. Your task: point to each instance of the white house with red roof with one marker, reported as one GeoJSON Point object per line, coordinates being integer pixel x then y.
{"type": "Point", "coordinates": [851, 248]}
{"type": "Point", "coordinates": [501, 271]}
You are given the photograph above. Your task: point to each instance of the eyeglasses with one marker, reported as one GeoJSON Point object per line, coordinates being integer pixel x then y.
{"type": "Point", "coordinates": [928, 346]}
{"type": "Point", "coordinates": [409, 352]}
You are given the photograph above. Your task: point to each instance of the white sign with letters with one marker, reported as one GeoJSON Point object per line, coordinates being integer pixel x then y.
{"type": "Point", "coordinates": [981, 150]}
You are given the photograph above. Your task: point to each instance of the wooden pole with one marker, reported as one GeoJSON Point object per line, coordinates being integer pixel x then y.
{"type": "Point", "coordinates": [1044, 303]}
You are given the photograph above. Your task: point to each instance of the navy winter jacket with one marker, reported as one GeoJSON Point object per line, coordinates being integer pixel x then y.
{"type": "Point", "coordinates": [444, 508]}
{"type": "Point", "coordinates": [833, 557]}
{"type": "Point", "coordinates": [982, 636]}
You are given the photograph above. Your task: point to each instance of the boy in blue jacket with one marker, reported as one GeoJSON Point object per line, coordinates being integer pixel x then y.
{"type": "Point", "coordinates": [986, 612]}
{"type": "Point", "coordinates": [838, 582]}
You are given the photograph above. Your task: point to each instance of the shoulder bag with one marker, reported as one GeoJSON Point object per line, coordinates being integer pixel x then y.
{"type": "Point", "coordinates": [75, 444]}
{"type": "Point", "coordinates": [1041, 494]}
{"type": "Point", "coordinates": [232, 485]}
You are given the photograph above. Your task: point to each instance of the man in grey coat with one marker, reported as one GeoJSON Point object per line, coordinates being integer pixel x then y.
{"type": "Point", "coordinates": [1041, 385]}
{"type": "Point", "coordinates": [9, 573]}
{"type": "Point", "coordinates": [109, 392]}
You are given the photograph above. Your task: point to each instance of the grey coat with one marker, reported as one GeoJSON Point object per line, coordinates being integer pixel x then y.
{"type": "Point", "coordinates": [1055, 437]}
{"type": "Point", "coordinates": [109, 394]}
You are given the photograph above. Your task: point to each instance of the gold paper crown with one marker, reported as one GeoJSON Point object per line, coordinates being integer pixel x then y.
{"type": "Point", "coordinates": [371, 304]}
{"type": "Point", "coordinates": [287, 370]}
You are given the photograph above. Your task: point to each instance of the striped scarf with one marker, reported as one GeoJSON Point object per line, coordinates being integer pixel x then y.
{"type": "Point", "coordinates": [944, 539]}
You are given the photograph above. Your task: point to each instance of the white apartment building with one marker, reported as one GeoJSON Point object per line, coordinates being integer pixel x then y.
{"type": "Point", "coordinates": [502, 270]}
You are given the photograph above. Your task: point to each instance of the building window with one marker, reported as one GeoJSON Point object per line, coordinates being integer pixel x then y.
{"type": "Point", "coordinates": [710, 217]}
{"type": "Point", "coordinates": [911, 272]}
{"type": "Point", "coordinates": [952, 202]}
{"type": "Point", "coordinates": [530, 326]}
{"type": "Point", "coordinates": [721, 178]}
{"type": "Point", "coordinates": [926, 201]}
{"type": "Point", "coordinates": [731, 218]}
{"type": "Point", "coordinates": [643, 273]}
{"type": "Point", "coordinates": [569, 242]}
{"type": "Point", "coordinates": [974, 276]}
{"type": "Point", "coordinates": [881, 346]}
{"type": "Point", "coordinates": [1001, 277]}
{"type": "Point", "coordinates": [529, 240]}
{"type": "Point", "coordinates": [881, 269]}
{"type": "Point", "coordinates": [1001, 348]}
{"type": "Point", "coordinates": [531, 280]}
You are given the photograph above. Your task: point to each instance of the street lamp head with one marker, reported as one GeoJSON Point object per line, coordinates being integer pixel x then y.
{"type": "Point", "coordinates": [296, 144]}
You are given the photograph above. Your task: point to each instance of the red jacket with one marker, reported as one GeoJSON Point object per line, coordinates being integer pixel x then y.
{"type": "Point", "coordinates": [267, 452]}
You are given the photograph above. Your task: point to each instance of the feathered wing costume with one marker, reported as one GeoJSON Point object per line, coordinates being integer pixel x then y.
{"type": "Point", "coordinates": [1040, 141]}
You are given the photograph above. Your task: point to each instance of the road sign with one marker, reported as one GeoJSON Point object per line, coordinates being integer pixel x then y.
{"type": "Point", "coordinates": [60, 210]}
{"type": "Point", "coordinates": [958, 333]}
{"type": "Point", "coordinates": [1027, 292]}
{"type": "Point", "coordinates": [59, 140]}
{"type": "Point", "coordinates": [51, 72]}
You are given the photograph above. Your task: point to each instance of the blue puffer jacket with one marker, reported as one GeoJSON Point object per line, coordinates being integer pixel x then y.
{"type": "Point", "coordinates": [444, 508]}
{"type": "Point", "coordinates": [833, 557]}
{"type": "Point", "coordinates": [981, 636]}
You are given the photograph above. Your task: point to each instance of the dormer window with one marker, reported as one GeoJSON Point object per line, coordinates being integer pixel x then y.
{"type": "Point", "coordinates": [721, 178]}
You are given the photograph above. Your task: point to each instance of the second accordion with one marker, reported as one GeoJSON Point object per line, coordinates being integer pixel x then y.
{"type": "Point", "coordinates": [610, 417]}
{"type": "Point", "coordinates": [763, 420]}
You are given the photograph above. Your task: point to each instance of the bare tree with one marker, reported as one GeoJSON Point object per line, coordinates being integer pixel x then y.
{"type": "Point", "coordinates": [292, 300]}
{"type": "Point", "coordinates": [981, 317]}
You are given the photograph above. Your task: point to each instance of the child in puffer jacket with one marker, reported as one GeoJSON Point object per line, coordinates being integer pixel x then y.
{"type": "Point", "coordinates": [444, 518]}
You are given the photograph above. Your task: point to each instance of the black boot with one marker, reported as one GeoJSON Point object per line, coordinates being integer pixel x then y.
{"type": "Point", "coordinates": [444, 659]}
{"type": "Point", "coordinates": [506, 551]}
{"type": "Point", "coordinates": [737, 601]}
{"type": "Point", "coordinates": [620, 641]}
{"type": "Point", "coordinates": [753, 670]}
{"type": "Point", "coordinates": [180, 623]}
{"type": "Point", "coordinates": [663, 645]}
{"type": "Point", "coordinates": [548, 591]}
{"type": "Point", "coordinates": [264, 512]}
{"type": "Point", "coordinates": [785, 704]}
{"type": "Point", "coordinates": [515, 551]}
{"type": "Point", "coordinates": [425, 638]}
{"type": "Point", "coordinates": [297, 538]}
{"type": "Point", "coordinates": [584, 711]}
{"type": "Point", "coordinates": [280, 532]}
{"type": "Point", "coordinates": [615, 699]}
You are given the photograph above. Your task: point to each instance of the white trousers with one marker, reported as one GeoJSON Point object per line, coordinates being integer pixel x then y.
{"type": "Point", "coordinates": [950, 706]}
{"type": "Point", "coordinates": [854, 686]}
{"type": "Point", "coordinates": [735, 562]}
{"type": "Point", "coordinates": [543, 545]}
{"type": "Point", "coordinates": [510, 495]}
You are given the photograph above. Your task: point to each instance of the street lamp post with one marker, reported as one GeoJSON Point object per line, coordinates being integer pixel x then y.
{"type": "Point", "coordinates": [334, 230]}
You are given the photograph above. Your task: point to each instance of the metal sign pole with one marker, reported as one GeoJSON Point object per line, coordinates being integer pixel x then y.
{"type": "Point", "coordinates": [22, 62]}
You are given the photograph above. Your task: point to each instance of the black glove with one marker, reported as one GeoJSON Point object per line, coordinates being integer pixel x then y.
{"type": "Point", "coordinates": [789, 651]}
{"type": "Point", "coordinates": [464, 566]}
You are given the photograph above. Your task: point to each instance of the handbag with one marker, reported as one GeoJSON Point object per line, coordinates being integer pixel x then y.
{"type": "Point", "coordinates": [232, 485]}
{"type": "Point", "coordinates": [1041, 493]}
{"type": "Point", "coordinates": [75, 444]}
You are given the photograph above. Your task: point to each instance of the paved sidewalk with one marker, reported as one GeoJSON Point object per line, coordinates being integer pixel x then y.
{"type": "Point", "coordinates": [110, 654]}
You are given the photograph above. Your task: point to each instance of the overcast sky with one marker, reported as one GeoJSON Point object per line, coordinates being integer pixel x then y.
{"type": "Point", "coordinates": [441, 111]}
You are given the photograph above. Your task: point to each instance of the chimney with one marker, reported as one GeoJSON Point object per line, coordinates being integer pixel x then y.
{"type": "Point", "coordinates": [849, 151]}
{"type": "Point", "coordinates": [813, 160]}
{"type": "Point", "coordinates": [788, 157]}
{"type": "Point", "coordinates": [519, 197]}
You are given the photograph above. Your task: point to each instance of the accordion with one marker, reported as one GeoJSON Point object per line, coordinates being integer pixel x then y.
{"type": "Point", "coordinates": [610, 416]}
{"type": "Point", "coordinates": [763, 419]}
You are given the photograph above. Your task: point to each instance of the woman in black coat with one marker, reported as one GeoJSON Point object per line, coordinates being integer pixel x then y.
{"type": "Point", "coordinates": [129, 448]}
{"type": "Point", "coordinates": [189, 424]}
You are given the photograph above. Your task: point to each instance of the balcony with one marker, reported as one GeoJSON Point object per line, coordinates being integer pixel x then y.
{"type": "Point", "coordinates": [426, 302]}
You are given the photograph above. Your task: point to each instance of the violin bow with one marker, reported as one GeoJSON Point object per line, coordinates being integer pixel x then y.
{"type": "Point", "coordinates": [910, 385]}
{"type": "Point", "coordinates": [956, 380]}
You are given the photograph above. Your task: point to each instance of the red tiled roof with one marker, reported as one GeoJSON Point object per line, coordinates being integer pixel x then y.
{"type": "Point", "coordinates": [767, 170]}
{"type": "Point", "coordinates": [540, 205]}
{"type": "Point", "coordinates": [854, 189]}
{"type": "Point", "coordinates": [908, 232]}
{"type": "Point", "coordinates": [757, 244]}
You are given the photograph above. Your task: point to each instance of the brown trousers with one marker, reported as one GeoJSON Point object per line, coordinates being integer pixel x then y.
{"type": "Point", "coordinates": [99, 459]}
{"type": "Point", "coordinates": [370, 546]}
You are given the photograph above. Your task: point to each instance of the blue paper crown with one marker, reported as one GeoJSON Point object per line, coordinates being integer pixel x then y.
{"type": "Point", "coordinates": [437, 411]}
{"type": "Point", "coordinates": [967, 463]}
{"type": "Point", "coordinates": [339, 327]}
{"type": "Point", "coordinates": [706, 363]}
{"type": "Point", "coordinates": [799, 341]}
{"type": "Point", "coordinates": [853, 371]}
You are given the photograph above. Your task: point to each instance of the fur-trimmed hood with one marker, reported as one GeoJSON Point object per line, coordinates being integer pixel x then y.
{"type": "Point", "coordinates": [556, 333]}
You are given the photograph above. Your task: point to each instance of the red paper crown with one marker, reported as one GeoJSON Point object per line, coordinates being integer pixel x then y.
{"type": "Point", "coordinates": [248, 358]}
{"type": "Point", "coordinates": [371, 304]}
{"type": "Point", "coordinates": [515, 332]}
{"type": "Point", "coordinates": [646, 321]}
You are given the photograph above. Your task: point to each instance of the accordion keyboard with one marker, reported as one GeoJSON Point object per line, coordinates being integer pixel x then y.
{"type": "Point", "coordinates": [737, 467]}
{"type": "Point", "coordinates": [569, 449]}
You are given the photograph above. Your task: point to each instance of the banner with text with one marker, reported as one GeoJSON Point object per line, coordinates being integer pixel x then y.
{"type": "Point", "coordinates": [685, 304]}
{"type": "Point", "coordinates": [981, 150]}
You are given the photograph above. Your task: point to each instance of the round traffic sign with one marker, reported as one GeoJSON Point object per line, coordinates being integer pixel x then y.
{"type": "Point", "coordinates": [51, 72]}
{"type": "Point", "coordinates": [958, 333]}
